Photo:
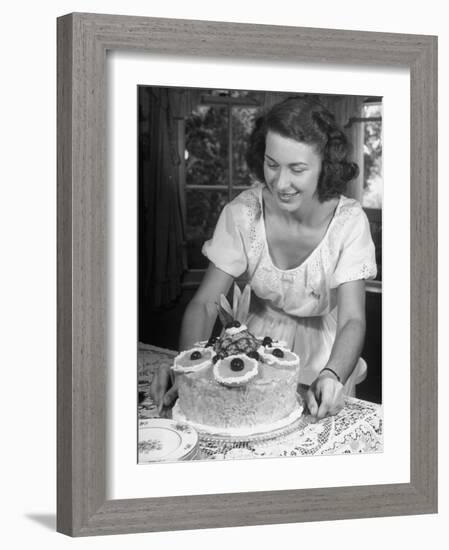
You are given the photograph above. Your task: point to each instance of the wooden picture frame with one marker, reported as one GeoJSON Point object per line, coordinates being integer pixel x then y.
{"type": "Point", "coordinates": [83, 40]}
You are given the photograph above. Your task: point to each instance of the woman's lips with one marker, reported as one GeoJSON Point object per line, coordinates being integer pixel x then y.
{"type": "Point", "coordinates": [285, 197]}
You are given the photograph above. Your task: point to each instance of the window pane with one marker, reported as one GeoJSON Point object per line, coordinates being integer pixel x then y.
{"type": "Point", "coordinates": [207, 146]}
{"type": "Point", "coordinates": [242, 125]}
{"type": "Point", "coordinates": [203, 209]}
{"type": "Point", "coordinates": [372, 157]}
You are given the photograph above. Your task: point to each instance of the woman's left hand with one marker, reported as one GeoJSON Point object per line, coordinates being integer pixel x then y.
{"type": "Point", "coordinates": [325, 397]}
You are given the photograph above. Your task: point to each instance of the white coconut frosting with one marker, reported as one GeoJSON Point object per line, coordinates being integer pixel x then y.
{"type": "Point", "coordinates": [253, 431]}
{"type": "Point", "coordinates": [268, 357]}
{"type": "Point", "coordinates": [195, 367]}
{"type": "Point", "coordinates": [234, 380]}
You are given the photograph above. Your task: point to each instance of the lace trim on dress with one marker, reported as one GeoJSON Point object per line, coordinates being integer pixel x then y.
{"type": "Point", "coordinates": [365, 271]}
{"type": "Point", "coordinates": [253, 215]}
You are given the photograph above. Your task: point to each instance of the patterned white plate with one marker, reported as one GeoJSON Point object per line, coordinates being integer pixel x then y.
{"type": "Point", "coordinates": [162, 439]}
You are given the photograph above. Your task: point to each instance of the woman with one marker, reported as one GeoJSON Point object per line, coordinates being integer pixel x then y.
{"type": "Point", "coordinates": [304, 248]}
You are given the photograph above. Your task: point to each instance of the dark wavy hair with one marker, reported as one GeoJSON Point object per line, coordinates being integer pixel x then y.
{"type": "Point", "coordinates": [306, 120]}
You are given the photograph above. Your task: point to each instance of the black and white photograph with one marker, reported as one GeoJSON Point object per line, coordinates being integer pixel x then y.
{"type": "Point", "coordinates": [260, 274]}
{"type": "Point", "coordinates": [221, 265]}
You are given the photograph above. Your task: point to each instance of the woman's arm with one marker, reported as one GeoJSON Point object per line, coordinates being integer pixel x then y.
{"type": "Point", "coordinates": [326, 395]}
{"type": "Point", "coordinates": [201, 313]}
{"type": "Point", "coordinates": [350, 329]}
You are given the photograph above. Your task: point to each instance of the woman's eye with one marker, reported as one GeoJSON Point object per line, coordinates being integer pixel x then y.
{"type": "Point", "coordinates": [271, 165]}
{"type": "Point", "coordinates": [297, 171]}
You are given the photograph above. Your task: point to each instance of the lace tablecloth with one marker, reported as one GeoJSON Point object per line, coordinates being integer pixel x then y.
{"type": "Point", "coordinates": [356, 429]}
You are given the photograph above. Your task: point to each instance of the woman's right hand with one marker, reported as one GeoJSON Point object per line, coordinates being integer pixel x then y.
{"type": "Point", "coordinates": [162, 390]}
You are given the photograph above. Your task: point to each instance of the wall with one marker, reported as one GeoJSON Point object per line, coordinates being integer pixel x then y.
{"type": "Point", "coordinates": [28, 324]}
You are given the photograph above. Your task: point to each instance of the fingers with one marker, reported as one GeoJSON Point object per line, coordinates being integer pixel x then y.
{"type": "Point", "coordinates": [324, 398]}
{"type": "Point", "coordinates": [327, 401]}
{"type": "Point", "coordinates": [167, 402]}
{"type": "Point", "coordinates": [324, 409]}
{"type": "Point", "coordinates": [311, 402]}
{"type": "Point", "coordinates": [170, 396]}
{"type": "Point", "coordinates": [159, 386]}
{"type": "Point", "coordinates": [329, 407]}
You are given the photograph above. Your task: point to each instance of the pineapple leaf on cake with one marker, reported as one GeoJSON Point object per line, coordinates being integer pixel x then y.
{"type": "Point", "coordinates": [236, 338]}
{"type": "Point", "coordinates": [240, 306]}
{"type": "Point", "coordinates": [236, 298]}
{"type": "Point", "coordinates": [242, 309]}
{"type": "Point", "coordinates": [224, 311]}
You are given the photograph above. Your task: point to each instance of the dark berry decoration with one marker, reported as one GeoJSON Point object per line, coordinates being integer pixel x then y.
{"type": "Point", "coordinates": [278, 352]}
{"type": "Point", "coordinates": [217, 358]}
{"type": "Point", "coordinates": [229, 325]}
{"type": "Point", "coordinates": [212, 340]}
{"type": "Point", "coordinates": [254, 355]}
{"type": "Point", "coordinates": [237, 364]}
{"type": "Point", "coordinates": [236, 324]}
{"type": "Point", "coordinates": [267, 341]}
{"type": "Point", "coordinates": [195, 355]}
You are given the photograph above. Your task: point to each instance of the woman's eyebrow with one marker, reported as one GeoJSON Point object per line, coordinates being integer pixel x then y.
{"type": "Point", "coordinates": [300, 163]}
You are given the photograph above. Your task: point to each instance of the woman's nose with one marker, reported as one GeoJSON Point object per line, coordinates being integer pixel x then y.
{"type": "Point", "coordinates": [282, 182]}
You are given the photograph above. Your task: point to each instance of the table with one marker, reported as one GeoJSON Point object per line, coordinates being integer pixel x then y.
{"type": "Point", "coordinates": [356, 429]}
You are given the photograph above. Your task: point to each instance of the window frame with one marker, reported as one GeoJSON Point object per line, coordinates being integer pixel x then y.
{"type": "Point", "coordinates": [374, 214]}
{"type": "Point", "coordinates": [193, 276]}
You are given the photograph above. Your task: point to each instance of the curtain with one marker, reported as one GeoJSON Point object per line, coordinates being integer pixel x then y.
{"type": "Point", "coordinates": [161, 234]}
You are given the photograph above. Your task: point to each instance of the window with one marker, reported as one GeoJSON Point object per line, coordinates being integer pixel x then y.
{"type": "Point", "coordinates": [372, 195]}
{"type": "Point", "coordinates": [215, 141]}
{"type": "Point", "coordinates": [372, 155]}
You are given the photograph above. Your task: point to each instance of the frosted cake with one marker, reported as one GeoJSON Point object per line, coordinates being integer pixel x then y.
{"type": "Point", "coordinates": [237, 384]}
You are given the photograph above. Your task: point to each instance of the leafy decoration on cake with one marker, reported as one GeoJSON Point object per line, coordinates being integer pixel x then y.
{"type": "Point", "coordinates": [240, 306]}
{"type": "Point", "coordinates": [236, 338]}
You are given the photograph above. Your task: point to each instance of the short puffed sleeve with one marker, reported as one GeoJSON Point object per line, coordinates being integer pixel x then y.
{"type": "Point", "coordinates": [226, 249]}
{"type": "Point", "coordinates": [357, 257]}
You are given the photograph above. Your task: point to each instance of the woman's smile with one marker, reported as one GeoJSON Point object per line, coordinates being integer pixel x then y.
{"type": "Point", "coordinates": [288, 196]}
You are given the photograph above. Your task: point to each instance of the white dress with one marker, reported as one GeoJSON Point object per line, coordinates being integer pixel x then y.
{"type": "Point", "coordinates": [297, 305]}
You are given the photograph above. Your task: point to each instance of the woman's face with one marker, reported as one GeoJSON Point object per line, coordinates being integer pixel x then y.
{"type": "Point", "coordinates": [291, 170]}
